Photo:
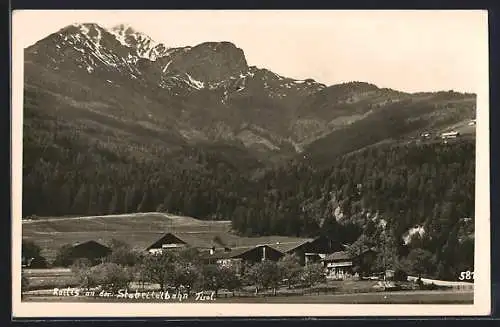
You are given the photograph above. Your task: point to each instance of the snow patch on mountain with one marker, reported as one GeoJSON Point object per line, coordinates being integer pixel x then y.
{"type": "Point", "coordinates": [166, 66]}
{"type": "Point", "coordinates": [195, 83]}
{"type": "Point", "coordinates": [145, 46]}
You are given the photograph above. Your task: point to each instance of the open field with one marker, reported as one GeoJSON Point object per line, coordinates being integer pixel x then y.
{"type": "Point", "coordinates": [401, 297]}
{"type": "Point", "coordinates": [139, 230]}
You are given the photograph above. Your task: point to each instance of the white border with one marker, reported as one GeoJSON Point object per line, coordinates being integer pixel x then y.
{"type": "Point", "coordinates": [482, 296]}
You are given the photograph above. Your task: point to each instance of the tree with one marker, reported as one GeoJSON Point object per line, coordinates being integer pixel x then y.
{"type": "Point", "coordinates": [212, 278]}
{"type": "Point", "coordinates": [29, 249]}
{"type": "Point", "coordinates": [230, 279]}
{"type": "Point", "coordinates": [159, 268]}
{"type": "Point", "coordinates": [264, 275]}
{"type": "Point", "coordinates": [123, 256]}
{"type": "Point", "coordinates": [63, 257]}
{"type": "Point", "coordinates": [186, 274]}
{"type": "Point", "coordinates": [290, 268]}
{"type": "Point", "coordinates": [313, 274]}
{"type": "Point", "coordinates": [31, 253]}
{"type": "Point", "coordinates": [419, 262]}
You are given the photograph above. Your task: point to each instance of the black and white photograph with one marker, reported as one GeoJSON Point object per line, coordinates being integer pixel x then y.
{"type": "Point", "coordinates": [250, 163]}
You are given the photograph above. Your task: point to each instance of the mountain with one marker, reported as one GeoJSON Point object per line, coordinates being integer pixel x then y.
{"type": "Point", "coordinates": [115, 122]}
{"type": "Point", "coordinates": [122, 80]}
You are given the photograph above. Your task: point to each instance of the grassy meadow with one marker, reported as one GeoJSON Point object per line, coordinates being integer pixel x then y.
{"type": "Point", "coordinates": [137, 230]}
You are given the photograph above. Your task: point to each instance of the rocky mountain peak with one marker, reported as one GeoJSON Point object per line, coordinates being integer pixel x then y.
{"type": "Point", "coordinates": [210, 61]}
{"type": "Point", "coordinates": [145, 46]}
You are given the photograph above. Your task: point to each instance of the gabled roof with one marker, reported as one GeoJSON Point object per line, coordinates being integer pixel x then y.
{"type": "Point", "coordinates": [89, 249]}
{"type": "Point", "coordinates": [286, 247]}
{"type": "Point", "coordinates": [166, 238]}
{"type": "Point", "coordinates": [89, 243]}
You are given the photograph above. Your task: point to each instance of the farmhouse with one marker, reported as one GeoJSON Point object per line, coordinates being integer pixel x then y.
{"type": "Point", "coordinates": [167, 241]}
{"type": "Point", "coordinates": [239, 256]}
{"type": "Point", "coordinates": [339, 265]}
{"type": "Point", "coordinates": [91, 250]}
{"type": "Point", "coordinates": [342, 265]}
{"type": "Point", "coordinates": [450, 135]}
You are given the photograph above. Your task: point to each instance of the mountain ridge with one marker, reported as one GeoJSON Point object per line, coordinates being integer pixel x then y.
{"type": "Point", "coordinates": [209, 93]}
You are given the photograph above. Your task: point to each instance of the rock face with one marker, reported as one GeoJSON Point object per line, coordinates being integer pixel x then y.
{"type": "Point", "coordinates": [209, 62]}
{"type": "Point", "coordinates": [208, 92]}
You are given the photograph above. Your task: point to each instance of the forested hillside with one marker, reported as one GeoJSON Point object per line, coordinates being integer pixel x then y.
{"type": "Point", "coordinates": [430, 185]}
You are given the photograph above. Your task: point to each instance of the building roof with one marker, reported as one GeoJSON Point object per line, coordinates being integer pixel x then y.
{"type": "Point", "coordinates": [89, 243]}
{"type": "Point", "coordinates": [234, 253]}
{"type": "Point", "coordinates": [89, 249]}
{"type": "Point", "coordinates": [337, 256]}
{"type": "Point", "coordinates": [222, 254]}
{"type": "Point", "coordinates": [286, 247]}
{"type": "Point", "coordinates": [168, 237]}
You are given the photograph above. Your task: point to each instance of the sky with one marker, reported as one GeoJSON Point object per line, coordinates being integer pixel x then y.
{"type": "Point", "coordinates": [405, 50]}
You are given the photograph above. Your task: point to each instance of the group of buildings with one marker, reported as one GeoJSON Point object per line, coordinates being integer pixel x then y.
{"type": "Point", "coordinates": [445, 136]}
{"type": "Point", "coordinates": [332, 254]}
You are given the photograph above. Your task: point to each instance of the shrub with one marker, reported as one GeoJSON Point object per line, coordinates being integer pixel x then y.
{"type": "Point", "coordinates": [80, 264]}
{"type": "Point", "coordinates": [110, 276]}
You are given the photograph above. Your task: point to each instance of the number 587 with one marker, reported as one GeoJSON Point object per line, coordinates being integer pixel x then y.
{"type": "Point", "coordinates": [466, 275]}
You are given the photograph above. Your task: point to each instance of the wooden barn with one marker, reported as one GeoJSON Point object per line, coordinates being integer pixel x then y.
{"type": "Point", "coordinates": [91, 250]}
{"type": "Point", "coordinates": [167, 241]}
